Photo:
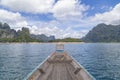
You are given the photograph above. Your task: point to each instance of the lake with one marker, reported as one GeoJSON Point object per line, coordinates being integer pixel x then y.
{"type": "Point", "coordinates": [102, 60]}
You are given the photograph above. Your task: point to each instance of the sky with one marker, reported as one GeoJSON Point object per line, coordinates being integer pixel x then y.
{"type": "Point", "coordinates": [61, 18]}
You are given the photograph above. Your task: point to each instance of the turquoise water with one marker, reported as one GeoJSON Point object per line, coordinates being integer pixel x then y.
{"type": "Point", "coordinates": [102, 60]}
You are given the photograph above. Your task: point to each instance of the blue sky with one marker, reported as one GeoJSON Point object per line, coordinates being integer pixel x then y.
{"type": "Point", "coordinates": [61, 18]}
{"type": "Point", "coordinates": [100, 6]}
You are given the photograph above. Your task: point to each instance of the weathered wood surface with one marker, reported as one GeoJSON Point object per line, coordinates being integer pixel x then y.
{"type": "Point", "coordinates": [60, 66]}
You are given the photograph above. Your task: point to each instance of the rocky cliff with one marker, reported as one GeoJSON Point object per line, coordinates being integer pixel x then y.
{"type": "Point", "coordinates": [103, 33]}
{"type": "Point", "coordinates": [6, 32]}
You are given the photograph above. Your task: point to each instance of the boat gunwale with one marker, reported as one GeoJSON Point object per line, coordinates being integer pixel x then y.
{"type": "Point", "coordinates": [26, 78]}
{"type": "Point", "coordinates": [82, 67]}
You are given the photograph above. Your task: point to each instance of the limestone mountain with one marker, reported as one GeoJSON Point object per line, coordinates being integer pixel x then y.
{"type": "Point", "coordinates": [6, 32]}
{"type": "Point", "coordinates": [103, 33]}
{"type": "Point", "coordinates": [43, 37]}
{"type": "Point", "coordinates": [10, 35]}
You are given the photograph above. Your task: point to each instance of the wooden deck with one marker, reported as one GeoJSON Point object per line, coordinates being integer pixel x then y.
{"type": "Point", "coordinates": [60, 66]}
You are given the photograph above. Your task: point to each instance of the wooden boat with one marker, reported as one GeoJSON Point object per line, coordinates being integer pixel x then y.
{"type": "Point", "coordinates": [60, 66]}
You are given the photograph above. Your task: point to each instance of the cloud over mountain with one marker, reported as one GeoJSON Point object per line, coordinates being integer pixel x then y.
{"type": "Point", "coordinates": [16, 20]}
{"type": "Point", "coordinates": [68, 18]}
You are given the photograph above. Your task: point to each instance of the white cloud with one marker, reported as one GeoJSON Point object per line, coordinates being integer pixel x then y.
{"type": "Point", "coordinates": [60, 29]}
{"type": "Point", "coordinates": [110, 17]}
{"type": "Point", "coordinates": [14, 19]}
{"type": "Point", "coordinates": [69, 14]}
{"type": "Point", "coordinates": [65, 9]}
{"type": "Point", "coordinates": [57, 32]}
{"type": "Point", "coordinates": [62, 9]}
{"type": "Point", "coordinates": [17, 21]}
{"type": "Point", "coordinates": [29, 6]}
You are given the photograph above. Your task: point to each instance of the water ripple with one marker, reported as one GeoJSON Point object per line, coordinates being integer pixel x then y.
{"type": "Point", "coordinates": [102, 60]}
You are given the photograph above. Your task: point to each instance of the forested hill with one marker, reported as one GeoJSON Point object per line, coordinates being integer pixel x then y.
{"type": "Point", "coordinates": [10, 35]}
{"type": "Point", "coordinates": [6, 32]}
{"type": "Point", "coordinates": [103, 33]}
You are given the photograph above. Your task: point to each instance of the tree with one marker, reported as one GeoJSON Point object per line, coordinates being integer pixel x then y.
{"type": "Point", "coordinates": [6, 26]}
{"type": "Point", "coordinates": [24, 35]}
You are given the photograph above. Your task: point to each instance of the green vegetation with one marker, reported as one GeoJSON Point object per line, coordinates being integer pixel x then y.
{"type": "Point", "coordinates": [23, 35]}
{"type": "Point", "coordinates": [10, 35]}
{"type": "Point", "coordinates": [67, 40]}
{"type": "Point", "coordinates": [18, 40]}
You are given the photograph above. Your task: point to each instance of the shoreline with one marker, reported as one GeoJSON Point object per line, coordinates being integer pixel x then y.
{"type": "Point", "coordinates": [52, 42]}
{"type": "Point", "coordinates": [38, 42]}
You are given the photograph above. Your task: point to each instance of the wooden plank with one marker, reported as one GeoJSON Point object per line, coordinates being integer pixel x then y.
{"type": "Point", "coordinates": [70, 69]}
{"type": "Point", "coordinates": [48, 72]}
{"type": "Point", "coordinates": [60, 72]}
{"type": "Point", "coordinates": [60, 67]}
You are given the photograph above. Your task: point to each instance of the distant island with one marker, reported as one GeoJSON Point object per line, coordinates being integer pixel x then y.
{"type": "Point", "coordinates": [10, 35]}
{"type": "Point", "coordinates": [67, 40]}
{"type": "Point", "coordinates": [103, 33]}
